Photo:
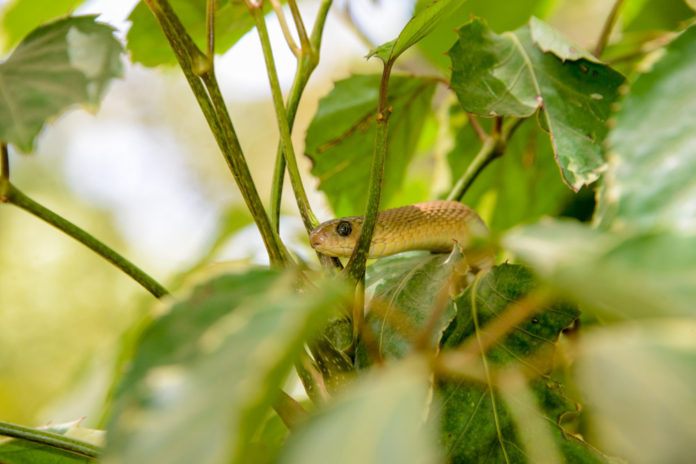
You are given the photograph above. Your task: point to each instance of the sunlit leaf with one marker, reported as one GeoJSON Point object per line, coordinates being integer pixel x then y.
{"type": "Point", "coordinates": [650, 182]}
{"type": "Point", "coordinates": [20, 17]}
{"type": "Point", "coordinates": [379, 420]}
{"type": "Point", "coordinates": [521, 186]}
{"type": "Point", "coordinates": [341, 137]}
{"type": "Point", "coordinates": [642, 275]}
{"type": "Point", "coordinates": [514, 15]}
{"type": "Point", "coordinates": [476, 423]}
{"type": "Point", "coordinates": [149, 47]}
{"type": "Point", "coordinates": [509, 74]}
{"type": "Point", "coordinates": [422, 23]}
{"type": "Point", "coordinates": [205, 373]}
{"type": "Point", "coordinates": [58, 65]}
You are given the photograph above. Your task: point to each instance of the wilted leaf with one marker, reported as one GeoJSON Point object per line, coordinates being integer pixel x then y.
{"type": "Point", "coordinates": [476, 423]}
{"type": "Point", "coordinates": [508, 74]}
{"type": "Point", "coordinates": [650, 182]}
{"type": "Point", "coordinates": [147, 43]}
{"type": "Point", "coordinates": [60, 64]}
{"type": "Point", "coordinates": [379, 420]}
{"type": "Point", "coordinates": [341, 137]}
{"type": "Point", "coordinates": [521, 186]}
{"type": "Point", "coordinates": [641, 275]}
{"type": "Point", "coordinates": [205, 373]}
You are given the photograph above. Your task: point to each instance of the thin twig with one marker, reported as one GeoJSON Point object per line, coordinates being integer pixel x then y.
{"type": "Point", "coordinates": [606, 29]}
{"type": "Point", "coordinates": [17, 198]}
{"type": "Point", "coordinates": [210, 30]}
{"type": "Point", "coordinates": [4, 161]}
{"type": "Point", "coordinates": [284, 27]}
{"type": "Point", "coordinates": [55, 440]}
{"type": "Point", "coordinates": [473, 122]}
{"type": "Point", "coordinates": [299, 24]}
{"type": "Point", "coordinates": [289, 410]}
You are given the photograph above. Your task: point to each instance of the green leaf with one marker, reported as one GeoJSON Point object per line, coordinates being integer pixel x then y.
{"type": "Point", "coordinates": [644, 15]}
{"type": "Point", "coordinates": [641, 275]}
{"type": "Point", "coordinates": [551, 40]}
{"type": "Point", "coordinates": [58, 65]}
{"type": "Point", "coordinates": [16, 451]}
{"type": "Point", "coordinates": [650, 183]}
{"type": "Point", "coordinates": [404, 289]}
{"type": "Point", "coordinates": [20, 17]}
{"type": "Point", "coordinates": [512, 16]}
{"type": "Point", "coordinates": [422, 23]}
{"type": "Point", "coordinates": [149, 47]}
{"type": "Point", "coordinates": [477, 425]}
{"type": "Point", "coordinates": [341, 137]}
{"type": "Point", "coordinates": [379, 420]}
{"type": "Point", "coordinates": [651, 364]}
{"type": "Point", "coordinates": [508, 74]}
{"type": "Point", "coordinates": [205, 373]}
{"type": "Point", "coordinates": [521, 186]}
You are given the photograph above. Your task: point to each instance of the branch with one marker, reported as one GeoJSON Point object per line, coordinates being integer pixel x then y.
{"type": "Point", "coordinates": [52, 439]}
{"type": "Point", "coordinates": [4, 161]}
{"type": "Point", "coordinates": [606, 29]}
{"type": "Point", "coordinates": [308, 218]}
{"type": "Point", "coordinates": [194, 64]}
{"type": "Point", "coordinates": [493, 147]}
{"type": "Point", "coordinates": [210, 30]}
{"type": "Point", "coordinates": [356, 265]}
{"type": "Point", "coordinates": [10, 194]}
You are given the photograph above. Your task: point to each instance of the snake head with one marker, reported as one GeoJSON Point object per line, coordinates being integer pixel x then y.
{"type": "Point", "coordinates": [337, 237]}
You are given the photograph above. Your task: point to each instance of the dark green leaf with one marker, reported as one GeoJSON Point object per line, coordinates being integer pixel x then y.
{"type": "Point", "coordinates": [422, 23]}
{"type": "Point", "coordinates": [521, 186]}
{"type": "Point", "coordinates": [477, 425]}
{"type": "Point", "coordinates": [206, 372]}
{"type": "Point", "coordinates": [379, 420]}
{"type": "Point", "coordinates": [508, 74]}
{"type": "Point", "coordinates": [512, 16]}
{"type": "Point", "coordinates": [642, 275]}
{"type": "Point", "coordinates": [147, 43]}
{"type": "Point", "coordinates": [650, 182]}
{"type": "Point", "coordinates": [20, 17]}
{"type": "Point", "coordinates": [340, 139]}
{"type": "Point", "coordinates": [58, 65]}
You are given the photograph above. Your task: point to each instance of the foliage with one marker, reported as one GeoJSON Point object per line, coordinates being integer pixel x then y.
{"type": "Point", "coordinates": [426, 359]}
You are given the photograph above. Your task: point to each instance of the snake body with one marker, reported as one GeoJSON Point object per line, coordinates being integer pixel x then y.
{"type": "Point", "coordinates": [433, 226]}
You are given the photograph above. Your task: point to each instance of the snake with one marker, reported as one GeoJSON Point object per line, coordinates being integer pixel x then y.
{"type": "Point", "coordinates": [433, 226]}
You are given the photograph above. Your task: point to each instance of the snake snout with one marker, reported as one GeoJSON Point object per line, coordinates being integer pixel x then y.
{"type": "Point", "coordinates": [316, 240]}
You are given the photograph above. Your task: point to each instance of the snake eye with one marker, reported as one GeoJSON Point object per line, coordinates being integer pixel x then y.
{"type": "Point", "coordinates": [344, 228]}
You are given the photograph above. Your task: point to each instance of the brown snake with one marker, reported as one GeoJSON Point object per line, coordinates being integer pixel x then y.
{"type": "Point", "coordinates": [433, 226]}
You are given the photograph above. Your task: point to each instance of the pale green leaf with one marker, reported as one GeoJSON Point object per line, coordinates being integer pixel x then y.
{"type": "Point", "coordinates": [340, 139]}
{"type": "Point", "coordinates": [205, 373]}
{"type": "Point", "coordinates": [422, 23]}
{"type": "Point", "coordinates": [378, 420]}
{"type": "Point", "coordinates": [508, 74]}
{"type": "Point", "coordinates": [58, 65]}
{"type": "Point", "coordinates": [20, 17]}
{"type": "Point", "coordinates": [650, 182]}
{"type": "Point", "coordinates": [551, 40]}
{"type": "Point", "coordinates": [641, 275]}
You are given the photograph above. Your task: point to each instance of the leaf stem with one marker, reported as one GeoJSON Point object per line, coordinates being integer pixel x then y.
{"type": "Point", "coordinates": [356, 265]}
{"type": "Point", "coordinates": [308, 218]}
{"type": "Point", "coordinates": [197, 70]}
{"type": "Point", "coordinates": [210, 30]}
{"type": "Point", "coordinates": [284, 27]}
{"type": "Point", "coordinates": [10, 194]}
{"type": "Point", "coordinates": [4, 161]}
{"type": "Point", "coordinates": [299, 24]}
{"type": "Point", "coordinates": [606, 29]}
{"type": "Point", "coordinates": [493, 147]}
{"type": "Point", "coordinates": [289, 410]}
{"type": "Point", "coordinates": [52, 439]}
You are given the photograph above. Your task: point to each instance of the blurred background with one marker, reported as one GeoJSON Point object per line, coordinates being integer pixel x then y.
{"type": "Point", "coordinates": [143, 174]}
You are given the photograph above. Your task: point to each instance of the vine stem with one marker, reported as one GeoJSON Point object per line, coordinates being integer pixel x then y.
{"type": "Point", "coordinates": [52, 439]}
{"type": "Point", "coordinates": [306, 64]}
{"type": "Point", "coordinates": [198, 70]}
{"type": "Point", "coordinates": [493, 147]}
{"type": "Point", "coordinates": [10, 194]}
{"type": "Point", "coordinates": [308, 218]}
{"type": "Point", "coordinates": [356, 265]}
{"type": "Point", "coordinates": [606, 29]}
